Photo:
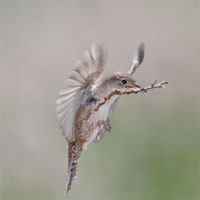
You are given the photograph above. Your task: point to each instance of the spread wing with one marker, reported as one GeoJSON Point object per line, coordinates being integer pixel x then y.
{"type": "Point", "coordinates": [87, 72]}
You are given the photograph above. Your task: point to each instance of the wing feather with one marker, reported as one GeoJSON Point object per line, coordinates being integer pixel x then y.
{"type": "Point", "coordinates": [87, 72]}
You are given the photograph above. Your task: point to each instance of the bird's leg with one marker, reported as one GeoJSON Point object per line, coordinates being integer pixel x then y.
{"type": "Point", "coordinates": [100, 133]}
{"type": "Point", "coordinates": [108, 124]}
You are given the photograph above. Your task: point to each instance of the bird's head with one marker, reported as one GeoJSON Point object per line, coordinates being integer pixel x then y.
{"type": "Point", "coordinates": [124, 81]}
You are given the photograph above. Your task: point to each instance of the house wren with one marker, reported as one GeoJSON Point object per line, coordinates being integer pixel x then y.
{"type": "Point", "coordinates": [86, 104]}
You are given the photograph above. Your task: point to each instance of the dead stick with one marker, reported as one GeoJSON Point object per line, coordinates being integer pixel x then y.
{"type": "Point", "coordinates": [117, 92]}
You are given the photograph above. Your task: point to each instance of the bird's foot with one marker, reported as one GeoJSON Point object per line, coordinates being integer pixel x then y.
{"type": "Point", "coordinates": [108, 125]}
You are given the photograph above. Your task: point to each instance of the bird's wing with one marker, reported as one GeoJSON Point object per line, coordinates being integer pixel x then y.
{"type": "Point", "coordinates": [86, 73]}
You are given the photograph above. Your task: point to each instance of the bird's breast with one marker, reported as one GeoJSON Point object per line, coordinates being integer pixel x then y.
{"type": "Point", "coordinates": [93, 126]}
{"type": "Point", "coordinates": [105, 108]}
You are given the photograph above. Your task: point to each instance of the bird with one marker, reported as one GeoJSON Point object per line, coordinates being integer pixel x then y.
{"type": "Point", "coordinates": [86, 103]}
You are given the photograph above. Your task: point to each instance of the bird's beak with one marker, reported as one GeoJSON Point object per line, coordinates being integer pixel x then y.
{"type": "Point", "coordinates": [136, 87]}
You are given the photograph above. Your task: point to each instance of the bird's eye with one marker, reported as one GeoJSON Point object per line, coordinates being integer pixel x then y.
{"type": "Point", "coordinates": [124, 81]}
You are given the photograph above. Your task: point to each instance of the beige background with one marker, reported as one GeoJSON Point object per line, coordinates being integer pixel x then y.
{"type": "Point", "coordinates": [153, 150]}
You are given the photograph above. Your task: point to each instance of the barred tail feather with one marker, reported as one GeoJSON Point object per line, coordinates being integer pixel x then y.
{"type": "Point", "coordinates": [73, 156]}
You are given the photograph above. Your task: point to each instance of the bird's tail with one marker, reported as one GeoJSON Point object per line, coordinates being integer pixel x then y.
{"type": "Point", "coordinates": [73, 156]}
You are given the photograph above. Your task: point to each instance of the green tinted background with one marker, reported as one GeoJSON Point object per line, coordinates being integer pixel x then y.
{"type": "Point", "coordinates": [152, 152]}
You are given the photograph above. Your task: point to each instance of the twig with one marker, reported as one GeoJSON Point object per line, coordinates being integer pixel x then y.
{"type": "Point", "coordinates": [154, 85]}
{"type": "Point", "coordinates": [145, 89]}
{"type": "Point", "coordinates": [117, 92]}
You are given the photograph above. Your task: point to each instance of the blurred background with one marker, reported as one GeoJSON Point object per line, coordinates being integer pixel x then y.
{"type": "Point", "coordinates": [153, 150]}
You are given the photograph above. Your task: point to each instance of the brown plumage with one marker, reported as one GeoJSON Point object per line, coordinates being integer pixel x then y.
{"type": "Point", "coordinates": [86, 104]}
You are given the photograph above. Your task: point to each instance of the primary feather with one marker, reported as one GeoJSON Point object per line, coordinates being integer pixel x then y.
{"type": "Point", "coordinates": [86, 73]}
